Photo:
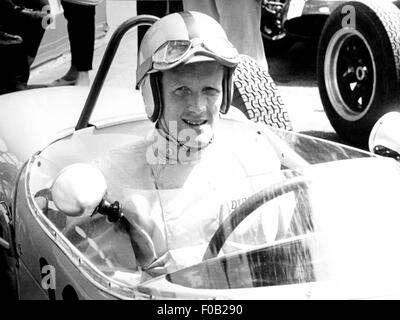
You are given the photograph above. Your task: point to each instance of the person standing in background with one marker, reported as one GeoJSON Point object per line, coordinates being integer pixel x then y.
{"type": "Point", "coordinates": [80, 15]}
{"type": "Point", "coordinates": [30, 24]}
{"type": "Point", "coordinates": [241, 21]}
{"type": "Point", "coordinates": [21, 31]}
{"type": "Point", "coordinates": [158, 8]}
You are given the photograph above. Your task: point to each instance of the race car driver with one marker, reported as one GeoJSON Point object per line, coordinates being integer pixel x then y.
{"type": "Point", "coordinates": [196, 165]}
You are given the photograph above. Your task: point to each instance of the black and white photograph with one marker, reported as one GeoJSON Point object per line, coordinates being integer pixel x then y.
{"type": "Point", "coordinates": [219, 151]}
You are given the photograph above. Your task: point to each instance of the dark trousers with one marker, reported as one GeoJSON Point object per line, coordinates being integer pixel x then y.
{"type": "Point", "coordinates": [30, 28]}
{"type": "Point", "coordinates": [14, 68]}
{"type": "Point", "coordinates": [15, 59]}
{"type": "Point", "coordinates": [81, 33]}
{"type": "Point", "coordinates": [156, 8]}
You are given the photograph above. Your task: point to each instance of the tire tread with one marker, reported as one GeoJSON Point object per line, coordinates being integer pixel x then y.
{"type": "Point", "coordinates": [256, 94]}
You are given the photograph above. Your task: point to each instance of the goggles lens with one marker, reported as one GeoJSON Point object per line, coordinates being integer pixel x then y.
{"type": "Point", "coordinates": [171, 51]}
{"type": "Point", "coordinates": [176, 50]}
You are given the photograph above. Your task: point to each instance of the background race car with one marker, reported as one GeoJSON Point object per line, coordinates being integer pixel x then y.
{"type": "Point", "coordinates": [358, 60]}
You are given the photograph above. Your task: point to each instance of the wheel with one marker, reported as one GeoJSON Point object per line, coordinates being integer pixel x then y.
{"type": "Point", "coordinates": [256, 95]}
{"type": "Point", "coordinates": [358, 67]}
{"type": "Point", "coordinates": [303, 224]}
{"type": "Point", "coordinates": [275, 39]}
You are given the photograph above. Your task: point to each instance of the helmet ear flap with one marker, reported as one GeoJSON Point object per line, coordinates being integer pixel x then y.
{"type": "Point", "coordinates": [152, 96]}
{"type": "Point", "coordinates": [227, 90]}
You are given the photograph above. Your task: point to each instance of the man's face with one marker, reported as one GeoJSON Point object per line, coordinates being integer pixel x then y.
{"type": "Point", "coordinates": [192, 96]}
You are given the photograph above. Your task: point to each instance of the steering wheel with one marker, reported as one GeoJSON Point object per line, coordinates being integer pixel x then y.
{"type": "Point", "coordinates": [296, 184]}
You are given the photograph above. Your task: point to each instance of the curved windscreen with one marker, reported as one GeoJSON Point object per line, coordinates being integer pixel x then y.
{"type": "Point", "coordinates": [341, 242]}
{"type": "Point", "coordinates": [332, 220]}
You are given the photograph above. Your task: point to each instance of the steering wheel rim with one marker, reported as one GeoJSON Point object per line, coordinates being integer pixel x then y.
{"type": "Point", "coordinates": [249, 206]}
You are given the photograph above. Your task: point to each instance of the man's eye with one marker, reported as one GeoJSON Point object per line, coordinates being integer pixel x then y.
{"type": "Point", "coordinates": [211, 91]}
{"type": "Point", "coordinates": [182, 91]}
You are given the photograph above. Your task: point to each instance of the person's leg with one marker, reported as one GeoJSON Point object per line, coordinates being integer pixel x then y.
{"type": "Point", "coordinates": [32, 25]}
{"type": "Point", "coordinates": [26, 23]}
{"type": "Point", "coordinates": [81, 33]}
{"type": "Point", "coordinates": [175, 6]}
{"type": "Point", "coordinates": [156, 8]}
{"type": "Point", "coordinates": [72, 73]}
{"type": "Point", "coordinates": [13, 66]}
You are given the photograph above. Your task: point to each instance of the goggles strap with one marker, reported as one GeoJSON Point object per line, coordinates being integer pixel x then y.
{"type": "Point", "coordinates": [142, 70]}
{"type": "Point", "coordinates": [191, 24]}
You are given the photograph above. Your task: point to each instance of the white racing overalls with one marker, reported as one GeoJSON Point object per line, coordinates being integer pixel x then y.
{"type": "Point", "coordinates": [176, 204]}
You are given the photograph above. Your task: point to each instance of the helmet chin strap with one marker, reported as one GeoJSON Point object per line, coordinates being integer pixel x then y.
{"type": "Point", "coordinates": [164, 132]}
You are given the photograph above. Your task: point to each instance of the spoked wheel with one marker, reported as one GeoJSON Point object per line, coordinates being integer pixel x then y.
{"type": "Point", "coordinates": [358, 66]}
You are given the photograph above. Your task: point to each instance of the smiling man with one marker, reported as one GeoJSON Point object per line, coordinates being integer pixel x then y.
{"type": "Point", "coordinates": [185, 72]}
{"type": "Point", "coordinates": [196, 165]}
{"type": "Point", "coordinates": [192, 97]}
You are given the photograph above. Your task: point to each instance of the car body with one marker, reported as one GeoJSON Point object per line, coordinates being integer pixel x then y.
{"type": "Point", "coordinates": [358, 76]}
{"type": "Point", "coordinates": [342, 196]}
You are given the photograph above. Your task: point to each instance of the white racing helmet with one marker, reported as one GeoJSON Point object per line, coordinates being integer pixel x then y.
{"type": "Point", "coordinates": [180, 38]}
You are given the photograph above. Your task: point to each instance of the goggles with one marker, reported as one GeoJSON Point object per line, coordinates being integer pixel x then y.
{"type": "Point", "coordinates": [175, 52]}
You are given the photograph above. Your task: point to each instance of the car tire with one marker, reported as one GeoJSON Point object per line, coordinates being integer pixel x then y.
{"type": "Point", "coordinates": [256, 95]}
{"type": "Point", "coordinates": [358, 67]}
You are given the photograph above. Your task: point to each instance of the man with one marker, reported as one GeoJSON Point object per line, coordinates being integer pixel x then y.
{"type": "Point", "coordinates": [195, 167]}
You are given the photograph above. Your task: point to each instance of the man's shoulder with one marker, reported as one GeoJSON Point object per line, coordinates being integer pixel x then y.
{"type": "Point", "coordinates": [126, 153]}
{"type": "Point", "coordinates": [125, 163]}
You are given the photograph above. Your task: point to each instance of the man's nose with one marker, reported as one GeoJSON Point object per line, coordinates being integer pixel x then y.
{"type": "Point", "coordinates": [198, 103]}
